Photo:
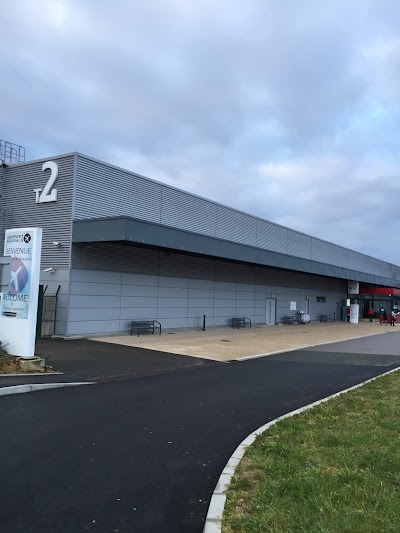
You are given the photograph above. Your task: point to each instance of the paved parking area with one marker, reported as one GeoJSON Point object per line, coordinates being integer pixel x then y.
{"type": "Point", "coordinates": [145, 454]}
{"type": "Point", "coordinates": [226, 344]}
{"type": "Point", "coordinates": [88, 360]}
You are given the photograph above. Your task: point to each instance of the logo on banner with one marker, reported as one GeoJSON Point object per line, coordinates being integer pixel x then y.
{"type": "Point", "coordinates": [19, 276]}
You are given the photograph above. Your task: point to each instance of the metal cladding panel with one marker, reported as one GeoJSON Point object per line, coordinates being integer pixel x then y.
{"type": "Point", "coordinates": [104, 191]}
{"type": "Point", "coordinates": [184, 211]}
{"type": "Point", "coordinates": [394, 272]}
{"type": "Point", "coordinates": [185, 266]}
{"type": "Point", "coordinates": [321, 251]}
{"type": "Point", "coordinates": [172, 239]}
{"type": "Point", "coordinates": [369, 264]}
{"type": "Point", "coordinates": [116, 257]}
{"type": "Point", "coordinates": [235, 226]}
{"type": "Point", "coordinates": [298, 280]}
{"type": "Point", "coordinates": [234, 273]}
{"type": "Point", "coordinates": [299, 245]}
{"type": "Point", "coordinates": [354, 261]}
{"type": "Point", "coordinates": [179, 289]}
{"type": "Point", "coordinates": [270, 277]}
{"type": "Point", "coordinates": [271, 236]}
{"type": "Point", "coordinates": [328, 284]}
{"type": "Point", "coordinates": [54, 217]}
{"type": "Point", "coordinates": [4, 213]}
{"type": "Point", "coordinates": [339, 256]}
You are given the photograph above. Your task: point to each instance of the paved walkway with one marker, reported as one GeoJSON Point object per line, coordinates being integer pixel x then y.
{"type": "Point", "coordinates": [123, 356]}
{"type": "Point", "coordinates": [226, 344]}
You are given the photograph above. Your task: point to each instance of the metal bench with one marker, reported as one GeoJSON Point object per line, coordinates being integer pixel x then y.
{"type": "Point", "coordinates": [290, 320]}
{"type": "Point", "coordinates": [240, 322]}
{"type": "Point", "coordinates": [325, 318]}
{"type": "Point", "coordinates": [145, 325]}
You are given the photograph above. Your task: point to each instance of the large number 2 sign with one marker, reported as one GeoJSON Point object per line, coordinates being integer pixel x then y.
{"type": "Point", "coordinates": [48, 194]}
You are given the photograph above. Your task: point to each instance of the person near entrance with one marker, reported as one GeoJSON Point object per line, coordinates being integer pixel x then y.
{"type": "Point", "coordinates": [371, 313]}
{"type": "Point", "coordinates": [394, 317]}
{"type": "Point", "coordinates": [384, 317]}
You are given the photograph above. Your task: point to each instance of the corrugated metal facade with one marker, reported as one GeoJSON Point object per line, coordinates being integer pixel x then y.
{"type": "Point", "coordinates": [178, 290]}
{"type": "Point", "coordinates": [18, 198]}
{"type": "Point", "coordinates": [107, 191]}
{"type": "Point", "coordinates": [103, 286]}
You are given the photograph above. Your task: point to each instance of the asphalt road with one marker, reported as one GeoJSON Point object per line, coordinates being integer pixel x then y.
{"type": "Point", "coordinates": [144, 454]}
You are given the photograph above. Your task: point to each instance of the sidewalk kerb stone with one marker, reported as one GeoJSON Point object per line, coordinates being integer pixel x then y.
{"type": "Point", "coordinates": [32, 387]}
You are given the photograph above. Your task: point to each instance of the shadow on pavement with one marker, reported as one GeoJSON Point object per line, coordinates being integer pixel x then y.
{"type": "Point", "coordinates": [91, 360]}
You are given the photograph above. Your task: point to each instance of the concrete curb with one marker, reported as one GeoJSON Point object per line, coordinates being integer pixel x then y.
{"type": "Point", "coordinates": [213, 521]}
{"type": "Point", "coordinates": [32, 387]}
{"type": "Point", "coordinates": [20, 374]}
{"type": "Point", "coordinates": [302, 347]}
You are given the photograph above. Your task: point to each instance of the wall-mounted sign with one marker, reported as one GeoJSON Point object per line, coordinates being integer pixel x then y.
{"type": "Point", "coordinates": [353, 287]}
{"type": "Point", "coordinates": [293, 306]}
{"type": "Point", "coordinates": [48, 194]}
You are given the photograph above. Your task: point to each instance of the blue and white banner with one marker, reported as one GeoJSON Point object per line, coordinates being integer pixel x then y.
{"type": "Point", "coordinates": [18, 312]}
{"type": "Point", "coordinates": [15, 301]}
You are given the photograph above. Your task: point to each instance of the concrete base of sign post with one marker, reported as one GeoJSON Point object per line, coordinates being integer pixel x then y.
{"type": "Point", "coordinates": [34, 364]}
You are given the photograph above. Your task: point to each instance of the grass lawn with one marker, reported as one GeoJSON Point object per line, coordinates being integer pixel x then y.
{"type": "Point", "coordinates": [334, 468]}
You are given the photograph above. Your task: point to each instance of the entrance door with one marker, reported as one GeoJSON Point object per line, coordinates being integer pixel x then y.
{"type": "Point", "coordinates": [270, 311]}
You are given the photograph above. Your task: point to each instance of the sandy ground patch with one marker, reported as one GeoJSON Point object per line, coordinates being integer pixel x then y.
{"type": "Point", "coordinates": [224, 343]}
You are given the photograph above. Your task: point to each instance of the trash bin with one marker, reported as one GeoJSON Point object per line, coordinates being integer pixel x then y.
{"type": "Point", "coordinates": [304, 317]}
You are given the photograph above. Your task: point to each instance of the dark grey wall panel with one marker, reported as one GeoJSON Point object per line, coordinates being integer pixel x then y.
{"type": "Point", "coordinates": [54, 217]}
{"type": "Point", "coordinates": [234, 273]}
{"type": "Point", "coordinates": [271, 277]}
{"type": "Point", "coordinates": [115, 257]}
{"type": "Point", "coordinates": [299, 280]}
{"type": "Point", "coordinates": [177, 299]}
{"type": "Point", "coordinates": [129, 230]}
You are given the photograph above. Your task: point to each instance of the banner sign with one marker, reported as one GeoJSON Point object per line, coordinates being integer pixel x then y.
{"type": "Point", "coordinates": [15, 301]}
{"type": "Point", "coordinates": [354, 311]}
{"type": "Point", "coordinates": [18, 310]}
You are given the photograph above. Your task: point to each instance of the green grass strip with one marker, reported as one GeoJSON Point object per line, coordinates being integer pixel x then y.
{"type": "Point", "coordinates": [334, 468]}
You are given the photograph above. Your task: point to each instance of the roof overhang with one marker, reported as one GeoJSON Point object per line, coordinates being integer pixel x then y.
{"type": "Point", "coordinates": [149, 234]}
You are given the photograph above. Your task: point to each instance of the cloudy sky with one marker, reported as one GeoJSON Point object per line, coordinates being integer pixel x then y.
{"type": "Point", "coordinates": [283, 109]}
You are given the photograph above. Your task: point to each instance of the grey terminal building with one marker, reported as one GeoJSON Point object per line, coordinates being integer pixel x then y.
{"type": "Point", "coordinates": [119, 247]}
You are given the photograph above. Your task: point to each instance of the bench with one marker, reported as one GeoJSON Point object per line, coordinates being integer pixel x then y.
{"type": "Point", "coordinates": [145, 325]}
{"type": "Point", "coordinates": [240, 322]}
{"type": "Point", "coordinates": [325, 318]}
{"type": "Point", "coordinates": [290, 319]}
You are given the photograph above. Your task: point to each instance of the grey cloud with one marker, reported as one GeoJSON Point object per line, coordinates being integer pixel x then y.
{"type": "Point", "coordinates": [282, 109]}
